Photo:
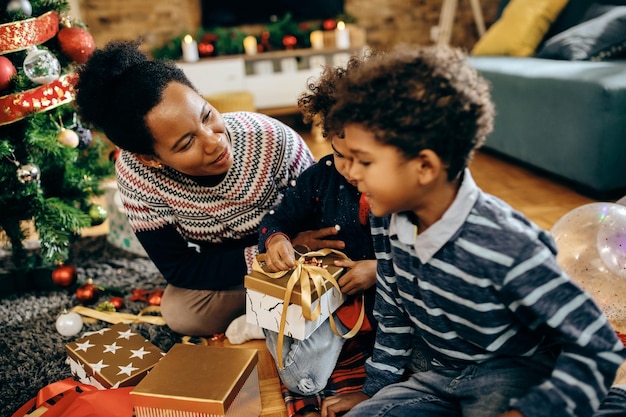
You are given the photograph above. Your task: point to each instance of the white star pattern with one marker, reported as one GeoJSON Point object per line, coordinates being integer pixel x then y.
{"type": "Point", "coordinates": [140, 353]}
{"type": "Point", "coordinates": [112, 348]}
{"type": "Point", "coordinates": [98, 367]}
{"type": "Point", "coordinates": [126, 335]}
{"type": "Point", "coordinates": [128, 369]}
{"type": "Point", "coordinates": [83, 346]}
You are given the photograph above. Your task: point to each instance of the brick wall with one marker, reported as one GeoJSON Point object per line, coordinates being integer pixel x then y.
{"type": "Point", "coordinates": [387, 22]}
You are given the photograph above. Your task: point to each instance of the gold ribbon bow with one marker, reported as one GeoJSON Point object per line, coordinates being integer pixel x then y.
{"type": "Point", "coordinates": [305, 273]}
{"type": "Point", "coordinates": [116, 317]}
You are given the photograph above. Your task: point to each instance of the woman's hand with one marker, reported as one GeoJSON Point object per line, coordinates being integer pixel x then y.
{"type": "Point", "coordinates": [316, 239]}
{"type": "Point", "coordinates": [361, 275]}
{"type": "Point", "coordinates": [339, 404]}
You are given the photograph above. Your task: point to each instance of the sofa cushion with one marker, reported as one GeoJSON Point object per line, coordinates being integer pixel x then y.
{"type": "Point", "coordinates": [520, 29]}
{"type": "Point", "coordinates": [599, 38]}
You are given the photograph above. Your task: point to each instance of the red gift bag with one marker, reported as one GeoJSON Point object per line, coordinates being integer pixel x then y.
{"type": "Point", "coordinates": [68, 398]}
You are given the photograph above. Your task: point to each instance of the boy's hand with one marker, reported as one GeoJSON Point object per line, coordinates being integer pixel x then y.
{"type": "Point", "coordinates": [279, 254]}
{"type": "Point", "coordinates": [315, 239]}
{"type": "Point", "coordinates": [339, 404]}
{"type": "Point", "coordinates": [360, 276]}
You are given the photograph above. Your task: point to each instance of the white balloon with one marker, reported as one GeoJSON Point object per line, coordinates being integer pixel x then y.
{"type": "Point", "coordinates": [69, 323]}
{"type": "Point", "coordinates": [591, 243]}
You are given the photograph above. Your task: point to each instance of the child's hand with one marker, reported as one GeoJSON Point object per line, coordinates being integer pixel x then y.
{"type": "Point", "coordinates": [360, 276]}
{"type": "Point", "coordinates": [279, 254]}
{"type": "Point", "coordinates": [315, 239]}
{"type": "Point", "coordinates": [339, 404]}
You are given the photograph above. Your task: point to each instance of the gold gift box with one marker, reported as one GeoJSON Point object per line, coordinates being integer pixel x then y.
{"type": "Point", "coordinates": [207, 380]}
{"type": "Point", "coordinates": [276, 287]}
{"type": "Point", "coordinates": [113, 357]}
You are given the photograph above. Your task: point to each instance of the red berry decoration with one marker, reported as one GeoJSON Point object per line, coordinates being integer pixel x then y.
{"type": "Point", "coordinates": [7, 72]}
{"type": "Point", "coordinates": [64, 275]}
{"type": "Point", "coordinates": [87, 293]}
{"type": "Point", "coordinates": [118, 302]}
{"type": "Point", "coordinates": [329, 24]}
{"type": "Point", "coordinates": [76, 43]}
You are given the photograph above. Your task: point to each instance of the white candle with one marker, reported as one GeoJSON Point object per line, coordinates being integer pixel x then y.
{"type": "Point", "coordinates": [317, 39]}
{"type": "Point", "coordinates": [342, 36]}
{"type": "Point", "coordinates": [190, 49]}
{"type": "Point", "coordinates": [249, 45]}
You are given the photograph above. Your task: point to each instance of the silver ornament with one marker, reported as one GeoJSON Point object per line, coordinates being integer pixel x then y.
{"type": "Point", "coordinates": [28, 173]}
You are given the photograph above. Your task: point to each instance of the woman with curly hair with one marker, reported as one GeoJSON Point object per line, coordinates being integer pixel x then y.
{"type": "Point", "coordinates": [505, 332]}
{"type": "Point", "coordinates": [195, 183]}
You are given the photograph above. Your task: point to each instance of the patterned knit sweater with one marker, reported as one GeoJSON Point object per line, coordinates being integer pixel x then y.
{"type": "Point", "coordinates": [481, 283]}
{"type": "Point", "coordinates": [202, 232]}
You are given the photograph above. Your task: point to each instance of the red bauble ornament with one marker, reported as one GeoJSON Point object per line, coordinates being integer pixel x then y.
{"type": "Point", "coordinates": [76, 43]}
{"type": "Point", "coordinates": [118, 302]}
{"type": "Point", "coordinates": [154, 299]}
{"type": "Point", "coordinates": [64, 275]}
{"type": "Point", "coordinates": [206, 49]}
{"type": "Point", "coordinates": [7, 72]}
{"type": "Point", "coordinates": [87, 293]}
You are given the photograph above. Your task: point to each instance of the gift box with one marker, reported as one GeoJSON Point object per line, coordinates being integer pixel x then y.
{"type": "Point", "coordinates": [265, 296]}
{"type": "Point", "coordinates": [112, 357]}
{"type": "Point", "coordinates": [200, 381]}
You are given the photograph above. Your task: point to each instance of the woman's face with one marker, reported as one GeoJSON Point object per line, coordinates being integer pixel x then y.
{"type": "Point", "coordinates": [189, 134]}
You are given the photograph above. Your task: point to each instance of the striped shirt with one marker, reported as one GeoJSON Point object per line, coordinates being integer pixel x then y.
{"type": "Point", "coordinates": [169, 210]}
{"type": "Point", "coordinates": [480, 283]}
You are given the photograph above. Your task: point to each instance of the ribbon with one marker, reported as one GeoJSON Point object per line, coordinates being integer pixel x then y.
{"type": "Point", "coordinates": [19, 105]}
{"type": "Point", "coordinates": [305, 273]}
{"type": "Point", "coordinates": [16, 36]}
{"type": "Point", "coordinates": [115, 317]}
{"type": "Point", "coordinates": [69, 398]}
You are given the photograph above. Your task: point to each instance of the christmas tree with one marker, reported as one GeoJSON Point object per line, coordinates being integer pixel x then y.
{"type": "Point", "coordinates": [51, 165]}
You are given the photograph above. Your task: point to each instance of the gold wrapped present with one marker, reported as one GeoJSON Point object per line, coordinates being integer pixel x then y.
{"type": "Point", "coordinates": [203, 381]}
{"type": "Point", "coordinates": [112, 357]}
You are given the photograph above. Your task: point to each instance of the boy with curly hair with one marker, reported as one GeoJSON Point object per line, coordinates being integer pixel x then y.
{"type": "Point", "coordinates": [505, 330]}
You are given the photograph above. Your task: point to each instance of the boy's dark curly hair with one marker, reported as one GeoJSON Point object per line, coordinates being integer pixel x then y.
{"type": "Point", "coordinates": [117, 87]}
{"type": "Point", "coordinates": [315, 104]}
{"type": "Point", "coordinates": [417, 98]}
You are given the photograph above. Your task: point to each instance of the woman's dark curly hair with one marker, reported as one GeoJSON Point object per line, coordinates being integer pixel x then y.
{"type": "Point", "coordinates": [316, 103]}
{"type": "Point", "coordinates": [417, 98]}
{"type": "Point", "coordinates": [117, 87]}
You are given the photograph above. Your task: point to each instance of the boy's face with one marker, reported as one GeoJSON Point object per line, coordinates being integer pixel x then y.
{"type": "Point", "coordinates": [343, 159]}
{"type": "Point", "coordinates": [384, 175]}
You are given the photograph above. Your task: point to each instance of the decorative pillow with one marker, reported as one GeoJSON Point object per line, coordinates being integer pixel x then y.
{"type": "Point", "coordinates": [603, 37]}
{"type": "Point", "coordinates": [520, 29]}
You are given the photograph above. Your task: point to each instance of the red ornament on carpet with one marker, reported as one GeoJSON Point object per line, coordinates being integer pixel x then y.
{"type": "Point", "coordinates": [76, 43]}
{"type": "Point", "coordinates": [154, 299]}
{"type": "Point", "coordinates": [87, 293]}
{"type": "Point", "coordinates": [118, 302]}
{"type": "Point", "coordinates": [7, 72]}
{"type": "Point", "coordinates": [64, 275]}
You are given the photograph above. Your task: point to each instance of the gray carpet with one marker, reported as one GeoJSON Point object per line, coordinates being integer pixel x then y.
{"type": "Point", "coordinates": [32, 352]}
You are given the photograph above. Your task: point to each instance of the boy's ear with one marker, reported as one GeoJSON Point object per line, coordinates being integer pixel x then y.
{"type": "Point", "coordinates": [149, 160]}
{"type": "Point", "coordinates": [429, 166]}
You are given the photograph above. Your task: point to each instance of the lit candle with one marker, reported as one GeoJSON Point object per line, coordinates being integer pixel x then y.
{"type": "Point", "coordinates": [249, 45]}
{"type": "Point", "coordinates": [342, 36]}
{"type": "Point", "coordinates": [317, 39]}
{"type": "Point", "coordinates": [190, 49]}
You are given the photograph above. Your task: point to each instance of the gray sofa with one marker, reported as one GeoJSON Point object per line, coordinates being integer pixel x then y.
{"type": "Point", "coordinates": [566, 118]}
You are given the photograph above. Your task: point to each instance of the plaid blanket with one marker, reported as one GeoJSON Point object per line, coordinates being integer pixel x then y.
{"type": "Point", "coordinates": [348, 376]}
